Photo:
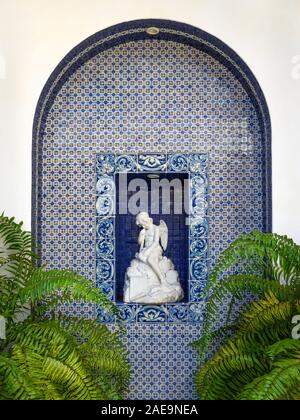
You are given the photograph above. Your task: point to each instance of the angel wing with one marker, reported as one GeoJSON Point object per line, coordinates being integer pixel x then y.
{"type": "Point", "coordinates": [163, 234]}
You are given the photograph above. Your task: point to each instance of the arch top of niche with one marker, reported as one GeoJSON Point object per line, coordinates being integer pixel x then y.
{"type": "Point", "coordinates": [139, 30]}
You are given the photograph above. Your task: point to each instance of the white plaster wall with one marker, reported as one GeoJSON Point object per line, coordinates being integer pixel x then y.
{"type": "Point", "coordinates": [36, 34]}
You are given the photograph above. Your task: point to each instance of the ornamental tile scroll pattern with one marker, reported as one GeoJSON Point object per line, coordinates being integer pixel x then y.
{"type": "Point", "coordinates": [177, 163]}
{"type": "Point", "coordinates": [198, 231]}
{"type": "Point", "coordinates": [104, 247]}
{"type": "Point", "coordinates": [105, 206]}
{"type": "Point", "coordinates": [105, 164]}
{"type": "Point", "coordinates": [152, 162]}
{"type": "Point", "coordinates": [105, 201]}
{"type": "Point", "coordinates": [105, 186]}
{"type": "Point", "coordinates": [126, 163]}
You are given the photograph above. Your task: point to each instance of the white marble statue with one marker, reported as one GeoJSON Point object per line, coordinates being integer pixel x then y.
{"type": "Point", "coordinates": [151, 277]}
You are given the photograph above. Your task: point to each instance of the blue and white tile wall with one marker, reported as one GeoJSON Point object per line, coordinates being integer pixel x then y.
{"type": "Point", "coordinates": [145, 97]}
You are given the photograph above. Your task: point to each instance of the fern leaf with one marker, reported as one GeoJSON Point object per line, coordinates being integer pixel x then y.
{"type": "Point", "coordinates": [274, 385]}
{"type": "Point", "coordinates": [44, 283]}
{"type": "Point", "coordinates": [15, 381]}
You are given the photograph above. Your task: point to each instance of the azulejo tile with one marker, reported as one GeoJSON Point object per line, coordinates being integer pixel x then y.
{"type": "Point", "coordinates": [199, 183]}
{"type": "Point", "coordinates": [198, 248]}
{"type": "Point", "coordinates": [106, 287]}
{"type": "Point", "coordinates": [105, 206]}
{"type": "Point", "coordinates": [199, 205]}
{"type": "Point", "coordinates": [198, 162]}
{"type": "Point", "coordinates": [104, 227]}
{"type": "Point", "coordinates": [128, 312]}
{"type": "Point", "coordinates": [198, 270]}
{"type": "Point", "coordinates": [104, 316]}
{"type": "Point", "coordinates": [105, 163]}
{"type": "Point", "coordinates": [126, 163]}
{"type": "Point", "coordinates": [198, 227]}
{"type": "Point", "coordinates": [197, 311]}
{"type": "Point", "coordinates": [104, 270]}
{"type": "Point", "coordinates": [105, 186]}
{"type": "Point", "coordinates": [178, 163]}
{"type": "Point", "coordinates": [178, 313]}
{"type": "Point", "coordinates": [152, 314]}
{"type": "Point", "coordinates": [152, 162]}
{"type": "Point", "coordinates": [197, 290]}
{"type": "Point", "coordinates": [105, 248]}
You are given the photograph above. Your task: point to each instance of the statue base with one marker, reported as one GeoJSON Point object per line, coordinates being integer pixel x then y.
{"type": "Point", "coordinates": [143, 286]}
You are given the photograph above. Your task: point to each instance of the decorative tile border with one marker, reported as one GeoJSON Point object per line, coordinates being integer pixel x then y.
{"type": "Point", "coordinates": [196, 165]}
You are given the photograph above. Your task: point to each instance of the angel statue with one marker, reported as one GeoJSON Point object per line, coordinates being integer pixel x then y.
{"type": "Point", "coordinates": [151, 277]}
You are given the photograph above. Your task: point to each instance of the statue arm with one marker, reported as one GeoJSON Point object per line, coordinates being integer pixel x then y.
{"type": "Point", "coordinates": [141, 239]}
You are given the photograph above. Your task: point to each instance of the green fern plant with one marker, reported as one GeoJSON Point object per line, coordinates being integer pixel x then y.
{"type": "Point", "coordinates": [257, 358]}
{"type": "Point", "coordinates": [43, 353]}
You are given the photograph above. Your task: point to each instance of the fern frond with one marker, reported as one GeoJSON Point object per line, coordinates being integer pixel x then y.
{"type": "Point", "coordinates": [15, 381]}
{"type": "Point", "coordinates": [288, 346]}
{"type": "Point", "coordinates": [101, 352]}
{"type": "Point", "coordinates": [265, 313]}
{"type": "Point", "coordinates": [59, 358]}
{"type": "Point", "coordinates": [14, 240]}
{"type": "Point", "coordinates": [238, 286]}
{"type": "Point", "coordinates": [257, 358]}
{"type": "Point", "coordinates": [274, 256]}
{"type": "Point", "coordinates": [43, 284]}
{"type": "Point", "coordinates": [224, 378]}
{"type": "Point", "coordinates": [75, 382]}
{"type": "Point", "coordinates": [95, 338]}
{"type": "Point", "coordinates": [274, 385]}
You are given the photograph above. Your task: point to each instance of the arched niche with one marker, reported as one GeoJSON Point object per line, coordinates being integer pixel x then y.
{"type": "Point", "coordinates": [128, 90]}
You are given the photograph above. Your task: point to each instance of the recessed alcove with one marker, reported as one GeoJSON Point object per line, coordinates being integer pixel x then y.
{"type": "Point", "coordinates": [125, 91]}
{"type": "Point", "coordinates": [178, 229]}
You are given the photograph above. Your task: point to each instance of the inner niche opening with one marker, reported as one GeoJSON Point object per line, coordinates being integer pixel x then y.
{"type": "Point", "coordinates": [159, 205]}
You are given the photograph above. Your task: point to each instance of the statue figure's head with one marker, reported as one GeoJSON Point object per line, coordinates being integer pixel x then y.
{"type": "Point", "coordinates": [143, 220]}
